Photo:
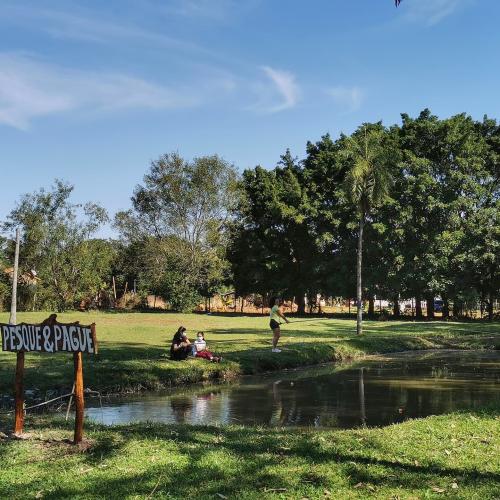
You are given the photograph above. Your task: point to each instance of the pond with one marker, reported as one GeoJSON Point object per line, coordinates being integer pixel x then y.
{"type": "Point", "coordinates": [375, 392]}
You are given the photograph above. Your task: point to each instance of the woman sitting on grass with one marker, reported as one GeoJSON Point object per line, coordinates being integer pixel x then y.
{"type": "Point", "coordinates": [181, 347]}
{"type": "Point", "coordinates": [200, 349]}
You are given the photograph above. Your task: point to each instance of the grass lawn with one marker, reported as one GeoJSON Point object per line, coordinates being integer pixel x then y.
{"type": "Point", "coordinates": [133, 347]}
{"type": "Point", "coordinates": [449, 456]}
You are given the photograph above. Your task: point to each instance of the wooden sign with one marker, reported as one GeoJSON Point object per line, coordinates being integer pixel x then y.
{"type": "Point", "coordinates": [49, 337]}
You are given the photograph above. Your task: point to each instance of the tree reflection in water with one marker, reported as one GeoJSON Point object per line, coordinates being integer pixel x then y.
{"type": "Point", "coordinates": [376, 392]}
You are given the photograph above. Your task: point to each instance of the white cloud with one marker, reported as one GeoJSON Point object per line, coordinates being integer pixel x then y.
{"type": "Point", "coordinates": [350, 98]}
{"type": "Point", "coordinates": [31, 89]}
{"type": "Point", "coordinates": [79, 26]}
{"type": "Point", "coordinates": [217, 10]}
{"type": "Point", "coordinates": [213, 9]}
{"type": "Point", "coordinates": [286, 86]}
{"type": "Point", "coordinates": [432, 12]}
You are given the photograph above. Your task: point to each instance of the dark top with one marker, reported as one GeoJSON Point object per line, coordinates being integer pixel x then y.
{"type": "Point", "coordinates": [181, 353]}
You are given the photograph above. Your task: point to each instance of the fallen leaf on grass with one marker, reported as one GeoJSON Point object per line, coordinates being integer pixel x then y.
{"type": "Point", "coordinates": [39, 494]}
{"type": "Point", "coordinates": [437, 489]}
{"type": "Point", "coordinates": [417, 463]}
{"type": "Point", "coordinates": [220, 495]}
{"type": "Point", "coordinates": [359, 485]}
{"type": "Point", "coordinates": [454, 486]}
{"type": "Point", "coordinates": [327, 493]}
{"type": "Point", "coordinates": [84, 471]}
{"type": "Point", "coordinates": [448, 452]}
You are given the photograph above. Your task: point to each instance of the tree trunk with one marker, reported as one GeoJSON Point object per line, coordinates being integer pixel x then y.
{"type": "Point", "coordinates": [396, 311]}
{"type": "Point", "coordinates": [430, 308]}
{"type": "Point", "coordinates": [301, 304]}
{"type": "Point", "coordinates": [371, 306]}
{"type": "Point", "coordinates": [359, 298]}
{"type": "Point", "coordinates": [456, 308]}
{"type": "Point", "coordinates": [418, 306]}
{"type": "Point", "coordinates": [446, 308]}
{"type": "Point", "coordinates": [362, 407]}
{"type": "Point", "coordinates": [490, 307]}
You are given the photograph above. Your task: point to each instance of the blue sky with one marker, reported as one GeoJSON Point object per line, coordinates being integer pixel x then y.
{"type": "Point", "coordinates": [92, 91]}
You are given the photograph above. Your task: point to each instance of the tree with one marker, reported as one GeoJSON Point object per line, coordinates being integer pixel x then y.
{"type": "Point", "coordinates": [274, 249]}
{"type": "Point", "coordinates": [367, 185]}
{"type": "Point", "coordinates": [56, 244]}
{"type": "Point", "coordinates": [4, 282]}
{"type": "Point", "coordinates": [180, 217]}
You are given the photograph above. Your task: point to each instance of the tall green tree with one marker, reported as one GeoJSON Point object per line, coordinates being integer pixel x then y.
{"type": "Point", "coordinates": [367, 185]}
{"type": "Point", "coordinates": [180, 216]}
{"type": "Point", "coordinates": [57, 244]}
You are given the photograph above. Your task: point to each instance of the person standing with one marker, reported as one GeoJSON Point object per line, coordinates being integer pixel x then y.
{"type": "Point", "coordinates": [275, 317]}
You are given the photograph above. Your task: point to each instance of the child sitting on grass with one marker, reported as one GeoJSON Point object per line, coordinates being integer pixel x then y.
{"type": "Point", "coordinates": [200, 349]}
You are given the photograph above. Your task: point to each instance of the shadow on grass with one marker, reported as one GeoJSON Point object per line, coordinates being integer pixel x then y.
{"type": "Point", "coordinates": [138, 365]}
{"type": "Point", "coordinates": [245, 461]}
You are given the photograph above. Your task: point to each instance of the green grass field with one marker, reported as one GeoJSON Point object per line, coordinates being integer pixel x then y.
{"type": "Point", "coordinates": [133, 347]}
{"type": "Point", "coordinates": [451, 456]}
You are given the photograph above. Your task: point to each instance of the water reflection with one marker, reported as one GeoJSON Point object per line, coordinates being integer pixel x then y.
{"type": "Point", "coordinates": [378, 392]}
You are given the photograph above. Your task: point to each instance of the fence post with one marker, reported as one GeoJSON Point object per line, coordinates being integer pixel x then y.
{"type": "Point", "coordinates": [79, 402]}
{"type": "Point", "coordinates": [19, 390]}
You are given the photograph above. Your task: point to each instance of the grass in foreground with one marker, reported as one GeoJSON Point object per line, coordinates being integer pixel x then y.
{"type": "Point", "coordinates": [133, 347]}
{"type": "Point", "coordinates": [450, 456]}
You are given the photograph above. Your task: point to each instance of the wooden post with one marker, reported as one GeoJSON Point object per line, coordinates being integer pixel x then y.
{"type": "Point", "coordinates": [19, 388]}
{"type": "Point", "coordinates": [79, 403]}
{"type": "Point", "coordinates": [19, 381]}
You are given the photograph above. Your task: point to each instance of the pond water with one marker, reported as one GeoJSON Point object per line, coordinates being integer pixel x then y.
{"type": "Point", "coordinates": [378, 391]}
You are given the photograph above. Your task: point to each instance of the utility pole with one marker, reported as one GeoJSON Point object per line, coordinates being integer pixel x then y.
{"type": "Point", "coordinates": [18, 386]}
{"type": "Point", "coordinates": [13, 304]}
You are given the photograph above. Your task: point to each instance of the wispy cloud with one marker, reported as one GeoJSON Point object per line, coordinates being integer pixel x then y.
{"type": "Point", "coordinates": [217, 10]}
{"type": "Point", "coordinates": [31, 89]}
{"type": "Point", "coordinates": [432, 12]}
{"type": "Point", "coordinates": [80, 26]}
{"type": "Point", "coordinates": [285, 86]}
{"type": "Point", "coordinates": [349, 98]}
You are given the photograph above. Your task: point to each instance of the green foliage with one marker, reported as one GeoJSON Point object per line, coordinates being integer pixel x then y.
{"type": "Point", "coordinates": [274, 245]}
{"type": "Point", "coordinates": [427, 192]}
{"type": "Point", "coordinates": [178, 228]}
{"type": "Point", "coordinates": [369, 178]}
{"type": "Point", "coordinates": [56, 244]}
{"type": "Point", "coordinates": [4, 281]}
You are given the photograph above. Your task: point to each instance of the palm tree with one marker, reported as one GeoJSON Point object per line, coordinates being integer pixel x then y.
{"type": "Point", "coordinates": [367, 186]}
